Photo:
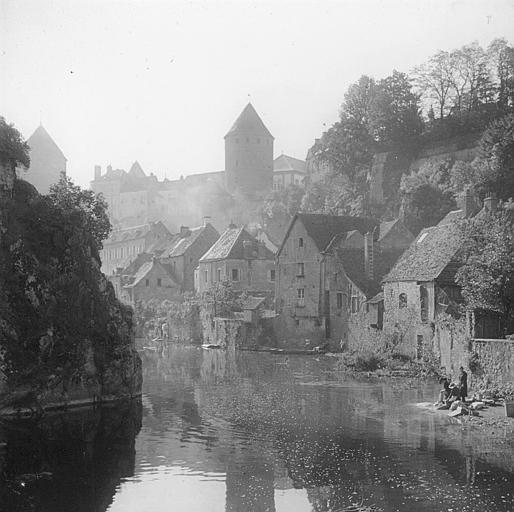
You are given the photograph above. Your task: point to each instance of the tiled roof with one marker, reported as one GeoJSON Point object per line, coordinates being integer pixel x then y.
{"type": "Point", "coordinates": [179, 245]}
{"type": "Point", "coordinates": [230, 245]}
{"type": "Point", "coordinates": [288, 163]}
{"type": "Point", "coordinates": [252, 303]}
{"type": "Point", "coordinates": [426, 258]}
{"type": "Point", "coordinates": [323, 228]}
{"type": "Point", "coordinates": [144, 270]}
{"type": "Point", "coordinates": [249, 122]}
{"type": "Point", "coordinates": [385, 227]}
{"type": "Point", "coordinates": [133, 233]}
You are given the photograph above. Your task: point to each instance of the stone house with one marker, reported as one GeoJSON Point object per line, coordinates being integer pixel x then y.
{"type": "Point", "coordinates": [153, 280]}
{"type": "Point", "coordinates": [327, 268]}
{"type": "Point", "coordinates": [184, 251]}
{"type": "Point", "coordinates": [123, 245]}
{"type": "Point", "coordinates": [421, 287]}
{"type": "Point", "coordinates": [240, 258]}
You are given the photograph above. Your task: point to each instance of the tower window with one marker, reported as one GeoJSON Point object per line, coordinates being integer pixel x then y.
{"type": "Point", "coordinates": [247, 140]}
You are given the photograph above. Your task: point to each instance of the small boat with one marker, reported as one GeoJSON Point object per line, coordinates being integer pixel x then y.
{"type": "Point", "coordinates": [210, 346]}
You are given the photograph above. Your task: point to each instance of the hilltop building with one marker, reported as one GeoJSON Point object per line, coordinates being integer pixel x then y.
{"type": "Point", "coordinates": [136, 198]}
{"type": "Point", "coordinates": [47, 161]}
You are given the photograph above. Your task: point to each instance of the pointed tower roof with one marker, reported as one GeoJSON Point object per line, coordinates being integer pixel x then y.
{"type": "Point", "coordinates": [137, 171]}
{"type": "Point", "coordinates": [41, 138]}
{"type": "Point", "coordinates": [249, 122]}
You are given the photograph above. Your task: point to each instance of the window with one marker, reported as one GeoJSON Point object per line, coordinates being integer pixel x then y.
{"type": "Point", "coordinates": [423, 303]}
{"type": "Point", "coordinates": [300, 295]}
{"type": "Point", "coordinates": [159, 281]}
{"type": "Point", "coordinates": [355, 304]}
{"type": "Point", "coordinates": [218, 273]}
{"type": "Point", "coordinates": [205, 276]}
{"type": "Point", "coordinates": [339, 298]}
{"type": "Point", "coordinates": [300, 269]}
{"type": "Point", "coordinates": [247, 140]}
{"type": "Point", "coordinates": [147, 282]}
{"type": "Point", "coordinates": [235, 274]}
{"type": "Point", "coordinates": [402, 300]}
{"type": "Point", "coordinates": [272, 275]}
{"type": "Point", "coordinates": [300, 242]}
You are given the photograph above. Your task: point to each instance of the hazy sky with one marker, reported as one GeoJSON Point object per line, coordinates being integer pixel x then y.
{"type": "Point", "coordinates": [162, 82]}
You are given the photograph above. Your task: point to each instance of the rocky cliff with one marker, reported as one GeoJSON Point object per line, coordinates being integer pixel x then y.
{"type": "Point", "coordinates": [64, 337]}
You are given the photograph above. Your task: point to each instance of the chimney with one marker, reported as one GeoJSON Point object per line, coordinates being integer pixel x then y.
{"type": "Point", "coordinates": [206, 220]}
{"type": "Point", "coordinates": [491, 203]}
{"type": "Point", "coordinates": [369, 256]}
{"type": "Point", "coordinates": [98, 172]}
{"type": "Point", "coordinates": [468, 203]}
{"type": "Point", "coordinates": [232, 226]}
{"type": "Point", "coordinates": [184, 231]}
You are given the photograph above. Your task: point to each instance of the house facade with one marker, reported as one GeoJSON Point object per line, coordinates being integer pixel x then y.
{"type": "Point", "coordinates": [124, 245]}
{"type": "Point", "coordinates": [184, 251]}
{"type": "Point", "coordinates": [237, 257]}
{"type": "Point", "coordinates": [421, 288]}
{"type": "Point", "coordinates": [288, 170]}
{"type": "Point", "coordinates": [327, 268]}
{"type": "Point", "coordinates": [153, 280]}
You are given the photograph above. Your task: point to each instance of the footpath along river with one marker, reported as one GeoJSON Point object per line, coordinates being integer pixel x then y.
{"type": "Point", "coordinates": [221, 431]}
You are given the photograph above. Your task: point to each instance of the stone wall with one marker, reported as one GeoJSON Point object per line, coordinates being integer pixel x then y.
{"type": "Point", "coordinates": [495, 359]}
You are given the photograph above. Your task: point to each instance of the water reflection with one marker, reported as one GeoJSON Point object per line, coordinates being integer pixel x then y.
{"type": "Point", "coordinates": [258, 432]}
{"type": "Point", "coordinates": [68, 462]}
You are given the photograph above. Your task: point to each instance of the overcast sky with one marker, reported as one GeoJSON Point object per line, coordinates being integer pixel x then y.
{"type": "Point", "coordinates": [162, 82]}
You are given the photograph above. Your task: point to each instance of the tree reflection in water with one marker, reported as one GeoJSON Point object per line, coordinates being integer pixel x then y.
{"type": "Point", "coordinates": [257, 432]}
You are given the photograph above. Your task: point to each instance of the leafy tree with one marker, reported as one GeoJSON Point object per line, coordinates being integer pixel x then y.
{"type": "Point", "coordinates": [222, 299]}
{"type": "Point", "coordinates": [85, 208]}
{"type": "Point", "coordinates": [501, 61]}
{"type": "Point", "coordinates": [434, 81]}
{"type": "Point", "coordinates": [14, 150]}
{"type": "Point", "coordinates": [487, 276]}
{"type": "Point", "coordinates": [395, 117]}
{"type": "Point", "coordinates": [496, 159]}
{"type": "Point", "coordinates": [285, 202]}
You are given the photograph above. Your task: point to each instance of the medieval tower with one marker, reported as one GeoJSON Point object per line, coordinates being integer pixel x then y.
{"type": "Point", "coordinates": [249, 155]}
{"type": "Point", "coordinates": [47, 161]}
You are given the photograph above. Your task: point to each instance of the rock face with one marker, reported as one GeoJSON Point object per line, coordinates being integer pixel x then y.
{"type": "Point", "coordinates": [64, 337]}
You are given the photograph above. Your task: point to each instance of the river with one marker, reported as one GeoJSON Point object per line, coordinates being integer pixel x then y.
{"type": "Point", "coordinates": [218, 431]}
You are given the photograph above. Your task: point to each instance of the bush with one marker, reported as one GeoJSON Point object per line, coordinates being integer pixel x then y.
{"type": "Point", "coordinates": [368, 362]}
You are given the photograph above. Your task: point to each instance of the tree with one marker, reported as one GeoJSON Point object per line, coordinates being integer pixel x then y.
{"type": "Point", "coordinates": [395, 114]}
{"type": "Point", "coordinates": [487, 276]}
{"type": "Point", "coordinates": [501, 61]}
{"type": "Point", "coordinates": [14, 151]}
{"type": "Point", "coordinates": [496, 159]}
{"type": "Point", "coordinates": [88, 210]}
{"type": "Point", "coordinates": [222, 299]}
{"type": "Point", "coordinates": [434, 81]}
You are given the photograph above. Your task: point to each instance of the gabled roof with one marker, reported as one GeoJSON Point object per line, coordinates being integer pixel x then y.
{"type": "Point", "coordinates": [136, 170]}
{"type": "Point", "coordinates": [426, 258]}
{"type": "Point", "coordinates": [249, 122]}
{"type": "Point", "coordinates": [252, 303]}
{"type": "Point", "coordinates": [180, 244]}
{"type": "Point", "coordinates": [288, 163]}
{"type": "Point", "coordinates": [386, 226]}
{"type": "Point", "coordinates": [42, 139]}
{"type": "Point", "coordinates": [145, 269]}
{"type": "Point", "coordinates": [230, 245]}
{"type": "Point", "coordinates": [134, 233]}
{"type": "Point", "coordinates": [323, 228]}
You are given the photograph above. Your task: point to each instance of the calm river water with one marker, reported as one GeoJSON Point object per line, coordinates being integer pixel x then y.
{"type": "Point", "coordinates": [246, 432]}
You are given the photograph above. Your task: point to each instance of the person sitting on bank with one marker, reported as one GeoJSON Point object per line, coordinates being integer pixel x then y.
{"type": "Point", "coordinates": [463, 383]}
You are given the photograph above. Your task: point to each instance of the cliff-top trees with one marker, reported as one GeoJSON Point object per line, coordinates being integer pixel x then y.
{"type": "Point", "coordinates": [13, 149]}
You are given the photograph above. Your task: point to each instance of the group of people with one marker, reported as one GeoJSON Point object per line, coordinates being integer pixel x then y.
{"type": "Point", "coordinates": [452, 391]}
